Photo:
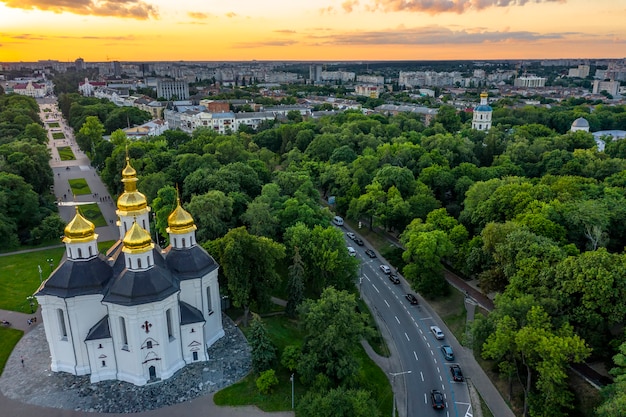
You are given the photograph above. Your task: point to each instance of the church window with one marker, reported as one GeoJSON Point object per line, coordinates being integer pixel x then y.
{"type": "Point", "coordinates": [104, 364]}
{"type": "Point", "coordinates": [183, 242]}
{"type": "Point", "coordinates": [149, 344]}
{"type": "Point", "coordinates": [195, 356]}
{"type": "Point", "coordinates": [175, 242]}
{"type": "Point", "coordinates": [62, 327]}
{"type": "Point", "coordinates": [481, 117]}
{"type": "Point", "coordinates": [480, 127]}
{"type": "Point", "coordinates": [99, 345]}
{"type": "Point", "coordinates": [80, 253]}
{"type": "Point", "coordinates": [144, 223]}
{"type": "Point", "coordinates": [149, 261]}
{"type": "Point", "coordinates": [139, 263]}
{"type": "Point", "coordinates": [168, 319]}
{"type": "Point", "coordinates": [208, 301]}
{"type": "Point", "coordinates": [124, 334]}
{"type": "Point", "coordinates": [90, 252]}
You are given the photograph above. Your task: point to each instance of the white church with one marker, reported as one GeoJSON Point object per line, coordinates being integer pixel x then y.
{"type": "Point", "coordinates": [481, 118]}
{"type": "Point", "coordinates": [140, 313]}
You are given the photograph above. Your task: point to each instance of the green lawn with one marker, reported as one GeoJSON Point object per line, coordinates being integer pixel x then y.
{"type": "Point", "coordinates": [58, 135]}
{"type": "Point", "coordinates": [8, 339]}
{"type": "Point", "coordinates": [284, 332]}
{"type": "Point", "coordinates": [19, 276]}
{"type": "Point", "coordinates": [79, 186]}
{"type": "Point", "coordinates": [54, 124]}
{"type": "Point", "coordinates": [92, 213]}
{"type": "Point", "coordinates": [103, 247]}
{"type": "Point", "coordinates": [65, 153]}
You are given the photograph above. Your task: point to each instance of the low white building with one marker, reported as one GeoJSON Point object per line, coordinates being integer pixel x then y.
{"type": "Point", "coordinates": [529, 81]}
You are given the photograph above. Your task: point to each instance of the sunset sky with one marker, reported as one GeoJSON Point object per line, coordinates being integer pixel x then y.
{"type": "Point", "coordinates": [209, 30]}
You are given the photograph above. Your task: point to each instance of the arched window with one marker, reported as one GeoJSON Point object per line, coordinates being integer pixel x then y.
{"type": "Point", "coordinates": [144, 223]}
{"type": "Point", "coordinates": [139, 263]}
{"type": "Point", "coordinates": [183, 242]}
{"type": "Point", "coordinates": [80, 253]}
{"type": "Point", "coordinates": [149, 261]}
{"type": "Point", "coordinates": [124, 334]}
{"type": "Point", "coordinates": [62, 327]}
{"type": "Point", "coordinates": [90, 252]}
{"type": "Point", "coordinates": [149, 344]}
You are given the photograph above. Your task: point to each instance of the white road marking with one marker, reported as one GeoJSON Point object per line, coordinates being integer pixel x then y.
{"type": "Point", "coordinates": [376, 288]}
{"type": "Point", "coordinates": [407, 337]}
{"type": "Point", "coordinates": [387, 303]}
{"type": "Point", "coordinates": [422, 375]}
{"type": "Point", "coordinates": [425, 399]}
{"type": "Point", "coordinates": [397, 319]}
{"type": "Point", "coordinates": [415, 354]}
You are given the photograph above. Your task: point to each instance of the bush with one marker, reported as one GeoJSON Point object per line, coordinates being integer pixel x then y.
{"type": "Point", "coordinates": [267, 381]}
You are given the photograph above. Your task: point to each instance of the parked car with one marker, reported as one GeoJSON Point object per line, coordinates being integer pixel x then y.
{"type": "Point", "coordinates": [412, 298]}
{"type": "Point", "coordinates": [394, 278]}
{"type": "Point", "coordinates": [457, 375]}
{"type": "Point", "coordinates": [351, 235]}
{"type": "Point", "coordinates": [447, 352]}
{"type": "Point", "coordinates": [358, 241]}
{"type": "Point", "coordinates": [370, 253]}
{"type": "Point", "coordinates": [436, 399]}
{"type": "Point", "coordinates": [385, 269]}
{"type": "Point", "coordinates": [351, 251]}
{"type": "Point", "coordinates": [436, 331]}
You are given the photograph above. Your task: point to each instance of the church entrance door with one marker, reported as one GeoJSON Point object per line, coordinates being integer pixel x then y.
{"type": "Point", "coordinates": [152, 371]}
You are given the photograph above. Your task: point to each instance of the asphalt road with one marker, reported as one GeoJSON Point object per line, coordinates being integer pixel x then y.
{"type": "Point", "coordinates": [418, 364]}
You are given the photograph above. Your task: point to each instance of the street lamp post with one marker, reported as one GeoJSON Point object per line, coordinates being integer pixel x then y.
{"type": "Point", "coordinates": [40, 278]}
{"type": "Point", "coordinates": [393, 380]}
{"type": "Point", "coordinates": [51, 263]}
{"type": "Point", "coordinates": [292, 392]}
{"type": "Point", "coordinates": [31, 299]}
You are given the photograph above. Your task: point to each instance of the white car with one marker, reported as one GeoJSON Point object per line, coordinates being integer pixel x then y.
{"type": "Point", "coordinates": [385, 269]}
{"type": "Point", "coordinates": [437, 332]}
{"type": "Point", "coordinates": [351, 251]}
{"type": "Point", "coordinates": [351, 235]}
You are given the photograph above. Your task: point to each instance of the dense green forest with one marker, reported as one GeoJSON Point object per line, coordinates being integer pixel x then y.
{"type": "Point", "coordinates": [27, 211]}
{"type": "Point", "coordinates": [531, 210]}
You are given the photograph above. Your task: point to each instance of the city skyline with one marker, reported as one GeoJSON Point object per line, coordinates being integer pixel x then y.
{"type": "Point", "coordinates": [164, 30]}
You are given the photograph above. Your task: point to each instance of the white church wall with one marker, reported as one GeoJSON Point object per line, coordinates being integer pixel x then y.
{"type": "Point", "coordinates": [57, 333]}
{"type": "Point", "coordinates": [211, 310]}
{"type": "Point", "coordinates": [192, 341]}
{"type": "Point", "coordinates": [83, 313]}
{"type": "Point", "coordinates": [101, 359]}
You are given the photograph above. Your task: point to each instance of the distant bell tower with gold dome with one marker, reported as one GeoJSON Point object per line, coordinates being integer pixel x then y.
{"type": "Point", "coordinates": [139, 314]}
{"type": "Point", "coordinates": [481, 118]}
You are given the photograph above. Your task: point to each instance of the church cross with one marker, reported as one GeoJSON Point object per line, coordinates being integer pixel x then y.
{"type": "Point", "coordinates": [146, 326]}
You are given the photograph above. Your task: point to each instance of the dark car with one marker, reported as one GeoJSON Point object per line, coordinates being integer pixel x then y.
{"type": "Point", "coordinates": [436, 398]}
{"type": "Point", "coordinates": [447, 352]}
{"type": "Point", "coordinates": [394, 278]}
{"type": "Point", "coordinates": [370, 253]}
{"type": "Point", "coordinates": [412, 299]}
{"type": "Point", "coordinates": [457, 375]}
{"type": "Point", "coordinates": [358, 241]}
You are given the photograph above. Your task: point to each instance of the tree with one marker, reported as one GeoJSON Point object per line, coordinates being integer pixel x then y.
{"type": "Point", "coordinates": [290, 357]}
{"type": "Point", "coordinates": [333, 329]}
{"type": "Point", "coordinates": [266, 382]}
{"type": "Point", "coordinates": [90, 134]}
{"type": "Point", "coordinates": [449, 119]}
{"type": "Point", "coordinates": [543, 353]}
{"type": "Point", "coordinates": [249, 266]}
{"type": "Point", "coordinates": [295, 285]}
{"type": "Point", "coordinates": [338, 402]}
{"type": "Point", "coordinates": [425, 248]}
{"type": "Point", "coordinates": [212, 212]}
{"type": "Point", "coordinates": [51, 228]}
{"type": "Point", "coordinates": [614, 404]}
{"type": "Point", "coordinates": [263, 352]}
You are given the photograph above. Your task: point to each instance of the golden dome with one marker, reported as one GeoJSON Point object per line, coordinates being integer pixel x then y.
{"type": "Point", "coordinates": [131, 200]}
{"type": "Point", "coordinates": [484, 95]}
{"type": "Point", "coordinates": [137, 240]}
{"type": "Point", "coordinates": [79, 230]}
{"type": "Point", "coordinates": [180, 221]}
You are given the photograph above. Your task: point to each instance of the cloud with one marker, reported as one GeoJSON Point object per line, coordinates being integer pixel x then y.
{"type": "Point", "coordinates": [349, 5]}
{"type": "Point", "coordinates": [133, 9]}
{"type": "Point", "coordinates": [453, 6]}
{"type": "Point", "coordinates": [285, 31]}
{"type": "Point", "coordinates": [31, 38]}
{"type": "Point", "coordinates": [231, 14]}
{"type": "Point", "coordinates": [433, 35]}
{"type": "Point", "coordinates": [199, 15]}
{"type": "Point", "coordinates": [268, 43]}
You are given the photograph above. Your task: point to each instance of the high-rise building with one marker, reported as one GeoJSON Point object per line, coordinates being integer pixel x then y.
{"type": "Point", "coordinates": [169, 89]}
{"type": "Point", "coordinates": [79, 64]}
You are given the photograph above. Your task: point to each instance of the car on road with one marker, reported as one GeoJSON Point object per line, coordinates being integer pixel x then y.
{"type": "Point", "coordinates": [351, 235]}
{"type": "Point", "coordinates": [338, 220]}
{"type": "Point", "coordinates": [351, 251]}
{"type": "Point", "coordinates": [358, 241]}
{"type": "Point", "coordinates": [457, 375]}
{"type": "Point", "coordinates": [436, 399]}
{"type": "Point", "coordinates": [385, 269]}
{"type": "Point", "coordinates": [394, 278]}
{"type": "Point", "coordinates": [447, 352]}
{"type": "Point", "coordinates": [436, 331]}
{"type": "Point", "coordinates": [370, 253]}
{"type": "Point", "coordinates": [412, 298]}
